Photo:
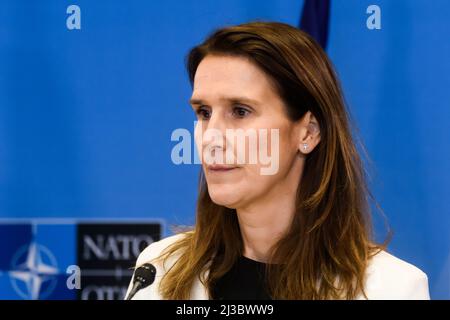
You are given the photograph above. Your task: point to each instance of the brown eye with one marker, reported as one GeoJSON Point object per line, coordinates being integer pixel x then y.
{"type": "Point", "coordinates": [240, 112]}
{"type": "Point", "coordinates": [203, 113]}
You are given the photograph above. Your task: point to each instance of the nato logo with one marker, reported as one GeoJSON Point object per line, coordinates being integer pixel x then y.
{"type": "Point", "coordinates": [35, 257]}
{"type": "Point", "coordinates": [35, 267]}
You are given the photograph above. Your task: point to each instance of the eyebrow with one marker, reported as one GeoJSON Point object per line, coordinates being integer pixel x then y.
{"type": "Point", "coordinates": [232, 99]}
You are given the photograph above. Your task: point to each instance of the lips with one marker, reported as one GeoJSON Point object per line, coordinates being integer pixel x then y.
{"type": "Point", "coordinates": [220, 168]}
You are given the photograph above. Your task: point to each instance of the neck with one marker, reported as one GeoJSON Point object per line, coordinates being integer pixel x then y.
{"type": "Point", "coordinates": [264, 222]}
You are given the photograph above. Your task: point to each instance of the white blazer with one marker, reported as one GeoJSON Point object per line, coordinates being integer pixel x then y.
{"type": "Point", "coordinates": [387, 277]}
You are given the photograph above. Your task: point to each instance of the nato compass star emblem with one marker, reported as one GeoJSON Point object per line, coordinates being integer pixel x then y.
{"type": "Point", "coordinates": [33, 268]}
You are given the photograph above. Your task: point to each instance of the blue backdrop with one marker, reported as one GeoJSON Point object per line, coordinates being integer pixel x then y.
{"type": "Point", "coordinates": [86, 115]}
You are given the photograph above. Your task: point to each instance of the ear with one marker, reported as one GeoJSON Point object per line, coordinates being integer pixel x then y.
{"type": "Point", "coordinates": [309, 133]}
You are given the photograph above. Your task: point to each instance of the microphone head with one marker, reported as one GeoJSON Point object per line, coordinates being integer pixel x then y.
{"type": "Point", "coordinates": [145, 275]}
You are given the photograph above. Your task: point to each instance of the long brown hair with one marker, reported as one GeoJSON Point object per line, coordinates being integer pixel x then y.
{"type": "Point", "coordinates": [325, 252]}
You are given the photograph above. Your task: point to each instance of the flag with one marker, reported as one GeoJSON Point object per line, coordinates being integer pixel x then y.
{"type": "Point", "coordinates": [315, 18]}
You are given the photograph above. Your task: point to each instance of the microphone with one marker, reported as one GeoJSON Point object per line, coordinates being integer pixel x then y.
{"type": "Point", "coordinates": [143, 277]}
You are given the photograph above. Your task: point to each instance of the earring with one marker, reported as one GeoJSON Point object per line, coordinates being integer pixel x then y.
{"type": "Point", "coordinates": [305, 146]}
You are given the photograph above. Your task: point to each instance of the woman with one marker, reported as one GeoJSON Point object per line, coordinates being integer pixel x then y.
{"type": "Point", "coordinates": [300, 232]}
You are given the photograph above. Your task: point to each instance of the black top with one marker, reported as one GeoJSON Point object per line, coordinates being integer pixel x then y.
{"type": "Point", "coordinates": [244, 281]}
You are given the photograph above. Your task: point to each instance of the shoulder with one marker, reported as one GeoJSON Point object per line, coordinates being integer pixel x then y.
{"type": "Point", "coordinates": [150, 255]}
{"type": "Point", "coordinates": [155, 249]}
{"type": "Point", "coordinates": [388, 277]}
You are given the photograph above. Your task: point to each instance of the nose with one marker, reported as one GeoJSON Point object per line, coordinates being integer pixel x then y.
{"type": "Point", "coordinates": [214, 131]}
{"type": "Point", "coordinates": [213, 138]}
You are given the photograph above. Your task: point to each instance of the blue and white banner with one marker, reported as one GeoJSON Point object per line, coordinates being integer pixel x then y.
{"type": "Point", "coordinates": [68, 259]}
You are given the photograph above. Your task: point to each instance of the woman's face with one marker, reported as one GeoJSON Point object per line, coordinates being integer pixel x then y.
{"type": "Point", "coordinates": [232, 93]}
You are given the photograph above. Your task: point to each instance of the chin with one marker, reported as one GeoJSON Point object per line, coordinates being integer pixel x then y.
{"type": "Point", "coordinates": [226, 196]}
